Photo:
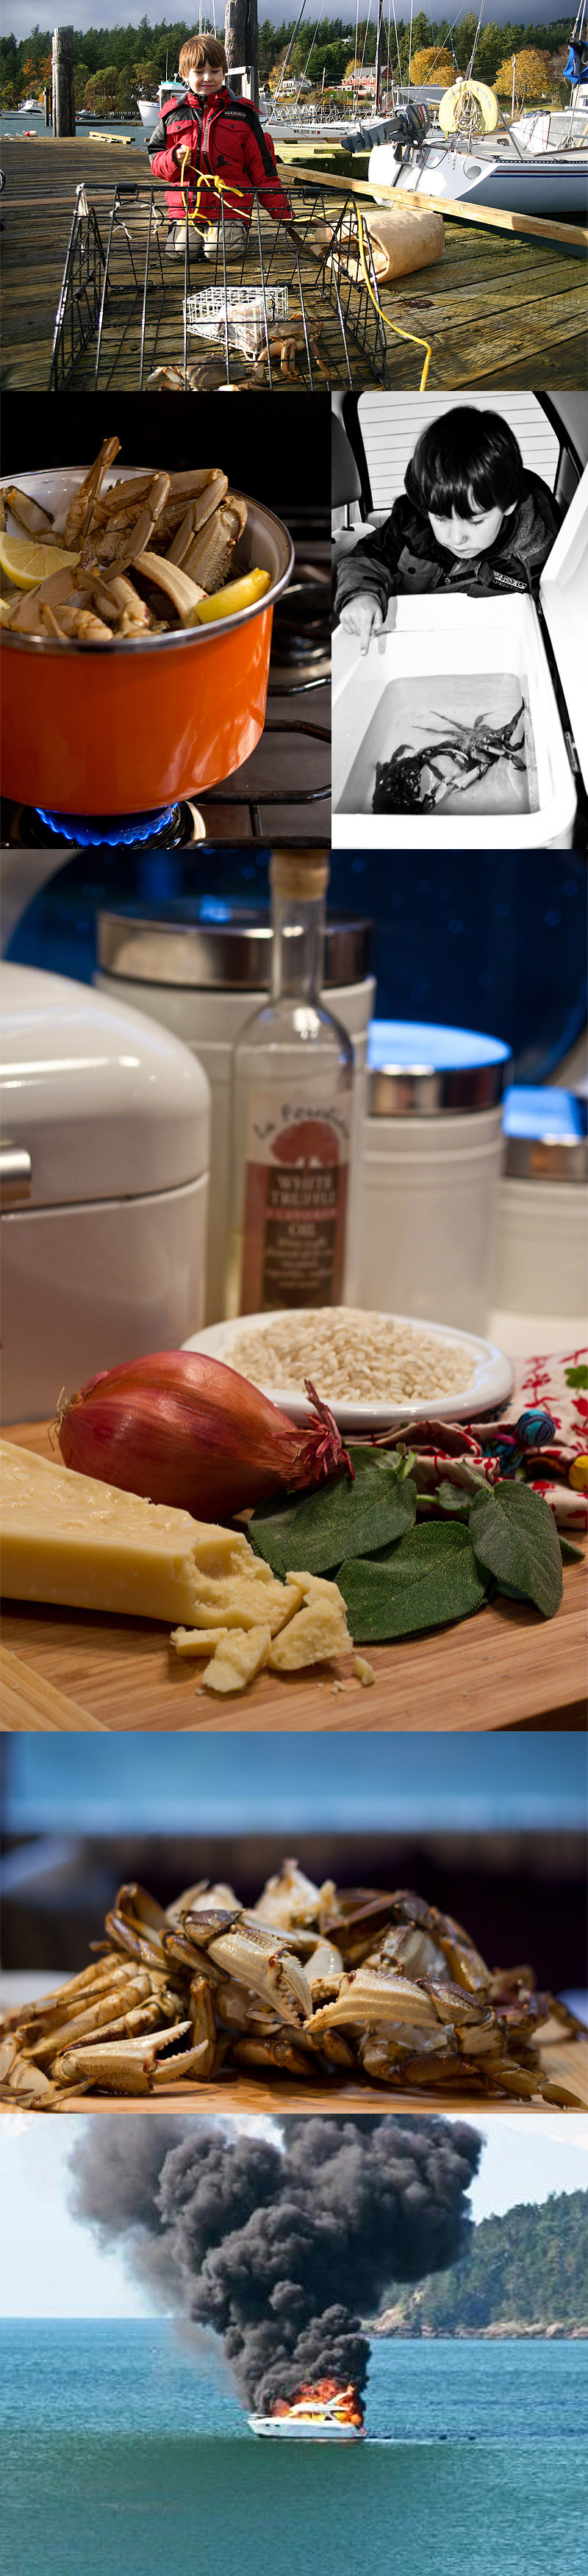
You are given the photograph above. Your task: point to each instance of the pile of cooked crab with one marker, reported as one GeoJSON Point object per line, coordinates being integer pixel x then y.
{"type": "Point", "coordinates": [311, 1981]}
{"type": "Point", "coordinates": [148, 551]}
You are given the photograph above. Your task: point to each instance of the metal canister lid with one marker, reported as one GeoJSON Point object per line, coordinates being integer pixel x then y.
{"type": "Point", "coordinates": [217, 945]}
{"type": "Point", "coordinates": [546, 1134]}
{"type": "Point", "coordinates": [418, 1069]}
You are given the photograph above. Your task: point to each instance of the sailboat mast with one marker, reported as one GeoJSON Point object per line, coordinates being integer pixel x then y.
{"type": "Point", "coordinates": [379, 56]}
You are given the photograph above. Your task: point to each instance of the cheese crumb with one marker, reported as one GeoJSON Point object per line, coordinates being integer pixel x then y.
{"type": "Point", "coordinates": [241, 1654]}
{"type": "Point", "coordinates": [363, 1672]}
{"type": "Point", "coordinates": [196, 1641]}
{"type": "Point", "coordinates": [316, 1633]}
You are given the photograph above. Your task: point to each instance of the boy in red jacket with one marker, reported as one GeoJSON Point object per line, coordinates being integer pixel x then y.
{"type": "Point", "coordinates": [222, 137]}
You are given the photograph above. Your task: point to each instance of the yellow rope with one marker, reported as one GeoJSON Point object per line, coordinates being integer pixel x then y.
{"type": "Point", "coordinates": [208, 179]}
{"type": "Point", "coordinates": [391, 326]}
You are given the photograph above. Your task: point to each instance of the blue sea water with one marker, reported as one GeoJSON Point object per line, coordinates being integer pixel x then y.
{"type": "Point", "coordinates": [126, 2453]}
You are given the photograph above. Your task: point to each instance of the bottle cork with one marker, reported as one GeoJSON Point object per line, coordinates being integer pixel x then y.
{"type": "Point", "coordinates": [300, 875]}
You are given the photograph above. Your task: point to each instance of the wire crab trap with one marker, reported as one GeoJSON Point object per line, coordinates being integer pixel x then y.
{"type": "Point", "coordinates": [299, 306]}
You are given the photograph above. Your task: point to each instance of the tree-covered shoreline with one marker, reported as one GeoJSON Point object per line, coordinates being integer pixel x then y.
{"type": "Point", "coordinates": [525, 2273]}
{"type": "Point", "coordinates": [115, 64]}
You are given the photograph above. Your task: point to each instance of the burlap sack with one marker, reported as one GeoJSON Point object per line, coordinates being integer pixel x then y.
{"type": "Point", "coordinates": [403, 237]}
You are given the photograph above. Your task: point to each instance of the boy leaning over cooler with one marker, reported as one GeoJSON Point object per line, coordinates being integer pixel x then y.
{"type": "Point", "coordinates": [206, 135]}
{"type": "Point", "coordinates": [472, 518]}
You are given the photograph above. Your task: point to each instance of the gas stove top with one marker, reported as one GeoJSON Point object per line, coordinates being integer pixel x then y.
{"type": "Point", "coordinates": [283, 792]}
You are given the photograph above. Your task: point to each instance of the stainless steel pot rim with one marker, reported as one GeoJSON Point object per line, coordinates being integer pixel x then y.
{"type": "Point", "coordinates": [178, 635]}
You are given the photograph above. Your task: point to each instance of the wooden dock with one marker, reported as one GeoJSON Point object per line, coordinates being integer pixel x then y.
{"type": "Point", "coordinates": [505, 306]}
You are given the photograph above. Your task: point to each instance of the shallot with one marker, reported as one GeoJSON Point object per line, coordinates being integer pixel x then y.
{"type": "Point", "coordinates": [180, 1428]}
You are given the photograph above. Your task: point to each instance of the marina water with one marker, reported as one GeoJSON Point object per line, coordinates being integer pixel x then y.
{"type": "Point", "coordinates": [125, 2447]}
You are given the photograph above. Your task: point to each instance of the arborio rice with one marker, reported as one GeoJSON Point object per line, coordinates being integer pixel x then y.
{"type": "Point", "coordinates": [351, 1357]}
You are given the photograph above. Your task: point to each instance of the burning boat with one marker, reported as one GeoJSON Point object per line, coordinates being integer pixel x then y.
{"type": "Point", "coordinates": [320, 2412]}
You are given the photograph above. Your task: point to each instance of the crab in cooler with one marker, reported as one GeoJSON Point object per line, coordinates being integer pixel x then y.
{"type": "Point", "coordinates": [311, 1981]}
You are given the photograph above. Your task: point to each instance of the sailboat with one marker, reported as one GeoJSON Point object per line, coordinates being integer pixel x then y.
{"type": "Point", "coordinates": [535, 165]}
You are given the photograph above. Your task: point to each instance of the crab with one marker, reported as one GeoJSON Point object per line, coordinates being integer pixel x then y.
{"type": "Point", "coordinates": [284, 342]}
{"type": "Point", "coordinates": [425, 779]}
{"type": "Point", "coordinates": [311, 1982]}
{"type": "Point", "coordinates": [174, 534]}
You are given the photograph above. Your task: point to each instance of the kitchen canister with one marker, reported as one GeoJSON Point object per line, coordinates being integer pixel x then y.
{"type": "Point", "coordinates": [430, 1170]}
{"type": "Point", "coordinates": [541, 1265]}
{"type": "Point", "coordinates": [202, 970]}
{"type": "Point", "coordinates": [104, 1170]}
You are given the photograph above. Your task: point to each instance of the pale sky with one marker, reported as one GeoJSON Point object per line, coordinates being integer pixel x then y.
{"type": "Point", "coordinates": [19, 17]}
{"type": "Point", "coordinates": [51, 2267]}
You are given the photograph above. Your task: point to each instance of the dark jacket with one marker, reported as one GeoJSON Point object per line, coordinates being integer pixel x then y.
{"type": "Point", "coordinates": [225, 136]}
{"type": "Point", "coordinates": [403, 555]}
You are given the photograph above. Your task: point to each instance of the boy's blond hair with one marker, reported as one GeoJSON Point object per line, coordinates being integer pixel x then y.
{"type": "Point", "coordinates": [199, 50]}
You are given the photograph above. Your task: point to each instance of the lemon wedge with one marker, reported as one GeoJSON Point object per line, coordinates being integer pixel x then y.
{"type": "Point", "coordinates": [236, 596]}
{"type": "Point", "coordinates": [26, 564]}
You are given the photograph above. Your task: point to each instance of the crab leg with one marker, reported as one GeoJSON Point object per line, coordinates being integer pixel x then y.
{"type": "Point", "coordinates": [251, 1953]}
{"type": "Point", "coordinates": [135, 2065]}
{"type": "Point", "coordinates": [377, 1996]}
{"type": "Point", "coordinates": [79, 516]}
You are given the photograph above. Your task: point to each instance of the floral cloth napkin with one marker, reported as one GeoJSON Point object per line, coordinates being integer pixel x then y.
{"type": "Point", "coordinates": [542, 1438]}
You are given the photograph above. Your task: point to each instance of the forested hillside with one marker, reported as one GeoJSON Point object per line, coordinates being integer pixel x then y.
{"type": "Point", "coordinates": [529, 2268]}
{"type": "Point", "coordinates": [113, 63]}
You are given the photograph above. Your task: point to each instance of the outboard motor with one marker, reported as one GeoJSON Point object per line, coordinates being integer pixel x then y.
{"type": "Point", "coordinates": [406, 127]}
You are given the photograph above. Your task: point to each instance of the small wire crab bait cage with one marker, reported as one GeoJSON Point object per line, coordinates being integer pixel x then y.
{"type": "Point", "coordinates": [239, 310]}
{"type": "Point", "coordinates": [303, 308]}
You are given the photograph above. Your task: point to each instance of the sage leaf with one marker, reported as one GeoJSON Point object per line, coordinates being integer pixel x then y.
{"type": "Point", "coordinates": [570, 1555]}
{"type": "Point", "coordinates": [269, 1530]}
{"type": "Point", "coordinates": [426, 1581]}
{"type": "Point", "coordinates": [341, 1520]}
{"type": "Point", "coordinates": [514, 1538]}
{"type": "Point", "coordinates": [453, 1499]}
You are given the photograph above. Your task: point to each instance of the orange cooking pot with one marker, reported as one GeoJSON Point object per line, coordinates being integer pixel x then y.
{"type": "Point", "coordinates": [126, 727]}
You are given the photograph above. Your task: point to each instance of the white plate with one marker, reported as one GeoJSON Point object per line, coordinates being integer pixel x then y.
{"type": "Point", "coordinates": [487, 1380]}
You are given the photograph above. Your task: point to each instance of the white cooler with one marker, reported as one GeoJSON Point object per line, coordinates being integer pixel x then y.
{"type": "Point", "coordinates": [104, 1187]}
{"type": "Point", "coordinates": [442, 635]}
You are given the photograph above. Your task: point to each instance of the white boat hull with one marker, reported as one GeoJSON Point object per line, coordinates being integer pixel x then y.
{"type": "Point", "coordinates": [544, 183]}
{"type": "Point", "coordinates": [284, 2429]}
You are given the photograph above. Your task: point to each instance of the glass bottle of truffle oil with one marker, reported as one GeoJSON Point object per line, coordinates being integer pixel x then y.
{"type": "Point", "coordinates": [291, 1120]}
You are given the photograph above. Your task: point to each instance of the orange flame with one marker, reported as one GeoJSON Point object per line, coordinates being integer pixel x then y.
{"type": "Point", "coordinates": [344, 2403]}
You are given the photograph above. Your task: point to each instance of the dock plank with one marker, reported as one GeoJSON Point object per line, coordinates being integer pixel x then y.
{"type": "Point", "coordinates": [493, 308]}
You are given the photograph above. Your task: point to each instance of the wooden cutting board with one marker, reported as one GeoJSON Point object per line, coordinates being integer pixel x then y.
{"type": "Point", "coordinates": [564, 2062]}
{"type": "Point", "coordinates": [508, 1667]}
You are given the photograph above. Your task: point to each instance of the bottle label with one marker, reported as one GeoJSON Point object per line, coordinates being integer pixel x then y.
{"type": "Point", "coordinates": [295, 1204]}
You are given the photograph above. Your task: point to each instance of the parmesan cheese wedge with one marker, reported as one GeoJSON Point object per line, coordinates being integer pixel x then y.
{"type": "Point", "coordinates": [70, 1540]}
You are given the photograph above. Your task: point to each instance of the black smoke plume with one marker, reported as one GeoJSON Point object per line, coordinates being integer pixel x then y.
{"type": "Point", "coordinates": [280, 2244]}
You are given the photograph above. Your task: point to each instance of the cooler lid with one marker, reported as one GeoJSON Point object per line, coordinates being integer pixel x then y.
{"type": "Point", "coordinates": [103, 1102]}
{"type": "Point", "coordinates": [416, 1069]}
{"type": "Point", "coordinates": [563, 591]}
{"type": "Point", "coordinates": [546, 1133]}
{"type": "Point", "coordinates": [209, 942]}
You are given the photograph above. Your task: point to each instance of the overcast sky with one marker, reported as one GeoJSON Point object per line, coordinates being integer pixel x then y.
{"type": "Point", "coordinates": [51, 2267]}
{"type": "Point", "coordinates": [18, 17]}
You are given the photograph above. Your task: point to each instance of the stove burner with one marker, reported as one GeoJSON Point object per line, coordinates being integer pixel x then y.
{"type": "Point", "coordinates": [109, 831]}
{"type": "Point", "coordinates": [301, 644]}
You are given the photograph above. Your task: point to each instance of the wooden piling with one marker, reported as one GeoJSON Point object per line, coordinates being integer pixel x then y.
{"type": "Point", "coordinates": [62, 82]}
{"type": "Point", "coordinates": [241, 42]}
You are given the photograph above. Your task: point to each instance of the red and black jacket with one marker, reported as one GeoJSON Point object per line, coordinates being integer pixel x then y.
{"type": "Point", "coordinates": [224, 136]}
